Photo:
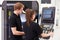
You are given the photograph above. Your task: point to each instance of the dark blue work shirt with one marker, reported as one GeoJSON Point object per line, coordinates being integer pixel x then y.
{"type": "Point", "coordinates": [32, 32]}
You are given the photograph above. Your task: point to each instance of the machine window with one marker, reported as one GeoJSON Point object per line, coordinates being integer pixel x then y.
{"type": "Point", "coordinates": [46, 1]}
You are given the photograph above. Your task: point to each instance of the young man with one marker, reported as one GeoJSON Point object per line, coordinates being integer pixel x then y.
{"type": "Point", "coordinates": [15, 22]}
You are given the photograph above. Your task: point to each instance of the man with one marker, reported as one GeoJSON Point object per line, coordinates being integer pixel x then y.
{"type": "Point", "coordinates": [15, 22]}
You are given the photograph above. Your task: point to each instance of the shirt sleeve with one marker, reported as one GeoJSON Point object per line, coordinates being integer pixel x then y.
{"type": "Point", "coordinates": [38, 29]}
{"type": "Point", "coordinates": [12, 22]}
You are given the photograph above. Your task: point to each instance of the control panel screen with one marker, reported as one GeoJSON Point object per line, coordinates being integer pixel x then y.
{"type": "Point", "coordinates": [47, 14]}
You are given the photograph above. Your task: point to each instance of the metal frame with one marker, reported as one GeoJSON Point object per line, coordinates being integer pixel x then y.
{"type": "Point", "coordinates": [5, 21]}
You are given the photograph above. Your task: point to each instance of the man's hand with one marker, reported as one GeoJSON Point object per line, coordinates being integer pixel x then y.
{"type": "Point", "coordinates": [15, 32]}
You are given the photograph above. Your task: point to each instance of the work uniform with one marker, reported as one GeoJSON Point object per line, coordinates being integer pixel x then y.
{"type": "Point", "coordinates": [16, 22]}
{"type": "Point", "coordinates": [32, 32]}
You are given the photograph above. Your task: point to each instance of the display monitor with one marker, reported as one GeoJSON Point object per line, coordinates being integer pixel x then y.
{"type": "Point", "coordinates": [47, 13]}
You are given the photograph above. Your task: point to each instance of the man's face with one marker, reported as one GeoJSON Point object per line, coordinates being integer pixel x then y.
{"type": "Point", "coordinates": [21, 10]}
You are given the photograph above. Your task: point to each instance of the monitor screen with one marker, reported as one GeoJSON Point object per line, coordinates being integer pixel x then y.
{"type": "Point", "coordinates": [47, 13]}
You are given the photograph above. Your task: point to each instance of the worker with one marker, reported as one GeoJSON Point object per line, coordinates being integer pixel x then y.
{"type": "Point", "coordinates": [15, 22]}
{"type": "Point", "coordinates": [32, 30]}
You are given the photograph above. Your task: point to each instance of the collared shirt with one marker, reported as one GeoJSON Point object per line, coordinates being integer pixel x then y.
{"type": "Point", "coordinates": [16, 22]}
